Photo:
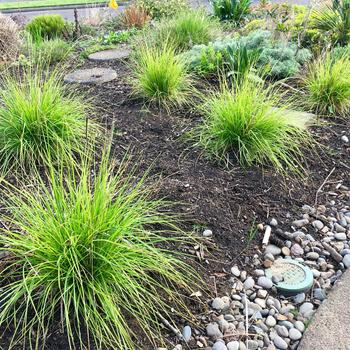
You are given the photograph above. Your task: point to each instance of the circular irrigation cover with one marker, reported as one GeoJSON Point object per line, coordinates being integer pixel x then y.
{"type": "Point", "coordinates": [297, 278]}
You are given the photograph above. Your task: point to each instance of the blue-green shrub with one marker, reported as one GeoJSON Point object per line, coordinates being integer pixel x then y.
{"type": "Point", "coordinates": [279, 60]}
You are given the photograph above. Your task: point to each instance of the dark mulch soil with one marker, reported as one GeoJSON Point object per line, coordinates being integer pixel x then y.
{"type": "Point", "coordinates": [228, 201]}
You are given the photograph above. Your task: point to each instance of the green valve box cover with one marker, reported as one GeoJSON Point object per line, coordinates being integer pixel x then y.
{"type": "Point", "coordinates": [297, 278]}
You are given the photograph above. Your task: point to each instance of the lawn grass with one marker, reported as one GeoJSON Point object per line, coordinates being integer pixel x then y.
{"type": "Point", "coordinates": [8, 5]}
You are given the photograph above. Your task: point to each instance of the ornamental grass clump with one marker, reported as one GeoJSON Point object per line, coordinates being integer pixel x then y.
{"type": "Point", "coordinates": [87, 250]}
{"type": "Point", "coordinates": [40, 119]}
{"type": "Point", "coordinates": [245, 123]}
{"type": "Point", "coordinates": [160, 77]}
{"type": "Point", "coordinates": [185, 29]}
{"type": "Point", "coordinates": [327, 85]}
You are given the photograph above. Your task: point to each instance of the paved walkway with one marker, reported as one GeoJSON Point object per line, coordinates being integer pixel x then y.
{"type": "Point", "coordinates": [330, 327]}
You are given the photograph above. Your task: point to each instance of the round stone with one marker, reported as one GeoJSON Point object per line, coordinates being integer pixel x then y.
{"type": "Point", "coordinates": [219, 345]}
{"type": "Point", "coordinates": [249, 283]}
{"type": "Point", "coordinates": [312, 255]}
{"type": "Point", "coordinates": [299, 298]}
{"type": "Point", "coordinates": [272, 249]}
{"type": "Point", "coordinates": [235, 271]}
{"type": "Point", "coordinates": [110, 55]}
{"type": "Point", "coordinates": [318, 224]}
{"type": "Point", "coordinates": [320, 294]}
{"type": "Point", "coordinates": [187, 333]}
{"type": "Point", "coordinates": [280, 343]}
{"type": "Point", "coordinates": [299, 326]}
{"type": "Point", "coordinates": [233, 345]}
{"type": "Point", "coordinates": [265, 282]}
{"type": "Point", "coordinates": [252, 344]}
{"type": "Point", "coordinates": [273, 222]}
{"type": "Point", "coordinates": [306, 308]}
{"type": "Point", "coordinates": [91, 76]}
{"type": "Point", "coordinates": [340, 236]}
{"type": "Point", "coordinates": [345, 139]}
{"type": "Point", "coordinates": [296, 250]}
{"type": "Point", "coordinates": [346, 260]}
{"type": "Point", "coordinates": [294, 334]}
{"type": "Point", "coordinates": [213, 331]}
{"type": "Point", "coordinates": [282, 331]}
{"type": "Point", "coordinates": [285, 251]}
{"type": "Point", "coordinates": [270, 321]}
{"type": "Point", "coordinates": [207, 233]}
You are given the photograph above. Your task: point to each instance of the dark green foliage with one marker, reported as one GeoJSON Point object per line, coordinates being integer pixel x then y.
{"type": "Point", "coordinates": [232, 10]}
{"type": "Point", "coordinates": [334, 21]}
{"type": "Point", "coordinates": [46, 26]}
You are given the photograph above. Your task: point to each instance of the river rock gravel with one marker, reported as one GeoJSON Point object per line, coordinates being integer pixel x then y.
{"type": "Point", "coordinates": [253, 314]}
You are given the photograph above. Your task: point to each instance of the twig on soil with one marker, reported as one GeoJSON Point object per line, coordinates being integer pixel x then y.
{"type": "Point", "coordinates": [246, 319]}
{"type": "Point", "coordinates": [172, 328]}
{"type": "Point", "coordinates": [323, 183]}
{"type": "Point", "coordinates": [267, 235]}
{"type": "Point", "coordinates": [215, 290]}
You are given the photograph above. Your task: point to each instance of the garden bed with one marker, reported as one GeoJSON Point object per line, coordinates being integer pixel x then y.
{"type": "Point", "coordinates": [226, 208]}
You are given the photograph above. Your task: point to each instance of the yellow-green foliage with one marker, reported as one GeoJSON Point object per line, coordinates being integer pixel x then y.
{"type": "Point", "coordinates": [327, 85]}
{"type": "Point", "coordinates": [162, 8]}
{"type": "Point", "coordinates": [46, 26]}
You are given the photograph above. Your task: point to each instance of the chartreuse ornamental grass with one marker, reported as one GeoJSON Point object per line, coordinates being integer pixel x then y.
{"type": "Point", "coordinates": [40, 119]}
{"type": "Point", "coordinates": [327, 85]}
{"type": "Point", "coordinates": [185, 29]}
{"type": "Point", "coordinates": [87, 249]}
{"type": "Point", "coordinates": [245, 122]}
{"type": "Point", "coordinates": [160, 76]}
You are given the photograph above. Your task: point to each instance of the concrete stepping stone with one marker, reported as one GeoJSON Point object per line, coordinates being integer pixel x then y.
{"type": "Point", "coordinates": [110, 55]}
{"type": "Point", "coordinates": [91, 76]}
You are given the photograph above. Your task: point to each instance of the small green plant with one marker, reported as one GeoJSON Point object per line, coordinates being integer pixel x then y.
{"type": "Point", "coordinates": [86, 250]}
{"type": "Point", "coordinates": [46, 27]}
{"type": "Point", "coordinates": [327, 85]}
{"type": "Point", "coordinates": [162, 8]}
{"type": "Point", "coordinates": [245, 123]}
{"type": "Point", "coordinates": [241, 61]}
{"type": "Point", "coordinates": [232, 10]}
{"type": "Point", "coordinates": [160, 76]}
{"type": "Point", "coordinates": [186, 29]}
{"type": "Point", "coordinates": [40, 119]}
{"type": "Point", "coordinates": [48, 52]}
{"type": "Point", "coordinates": [121, 36]}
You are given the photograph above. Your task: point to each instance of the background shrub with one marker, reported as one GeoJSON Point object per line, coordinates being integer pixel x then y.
{"type": "Point", "coordinates": [46, 26]}
{"type": "Point", "coordinates": [327, 85]}
{"type": "Point", "coordinates": [47, 52]}
{"type": "Point", "coordinates": [245, 123]}
{"type": "Point", "coordinates": [235, 10]}
{"type": "Point", "coordinates": [40, 119]}
{"type": "Point", "coordinates": [162, 8]}
{"type": "Point", "coordinates": [278, 60]}
{"type": "Point", "coordinates": [86, 247]}
{"type": "Point", "coordinates": [160, 76]}
{"type": "Point", "coordinates": [186, 29]}
{"type": "Point", "coordinates": [135, 16]}
{"type": "Point", "coordinates": [9, 38]}
{"type": "Point", "coordinates": [334, 21]}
